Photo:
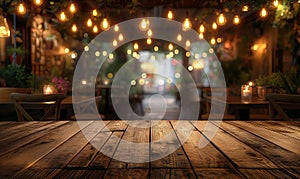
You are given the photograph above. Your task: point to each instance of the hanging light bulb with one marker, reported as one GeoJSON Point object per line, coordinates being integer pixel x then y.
{"type": "Point", "coordinates": [170, 15]}
{"type": "Point", "coordinates": [21, 9]}
{"type": "Point", "coordinates": [179, 37]}
{"type": "Point", "coordinates": [201, 28]}
{"type": "Point", "coordinates": [62, 16]}
{"type": "Point", "coordinates": [149, 33]}
{"type": "Point", "coordinates": [95, 29]}
{"type": "Point", "coordinates": [89, 22]}
{"type": "Point", "coordinates": [135, 46]}
{"type": "Point", "coordinates": [74, 28]}
{"type": "Point", "coordinates": [213, 41]}
{"type": "Point", "coordinates": [116, 28]}
{"type": "Point", "coordinates": [4, 29]}
{"type": "Point", "coordinates": [186, 24]}
{"type": "Point", "coordinates": [187, 44]}
{"type": "Point", "coordinates": [95, 12]}
{"type": "Point", "coordinates": [245, 8]}
{"type": "Point", "coordinates": [72, 8]}
{"type": "Point", "coordinates": [104, 24]}
{"type": "Point", "coordinates": [221, 20]}
{"type": "Point", "coordinates": [38, 2]}
{"type": "Point", "coordinates": [275, 3]}
{"type": "Point", "coordinates": [263, 13]}
{"type": "Point", "coordinates": [201, 36]}
{"type": "Point", "coordinates": [170, 47]}
{"type": "Point", "coordinates": [121, 37]}
{"type": "Point", "coordinates": [144, 25]}
{"type": "Point", "coordinates": [236, 19]}
{"type": "Point", "coordinates": [214, 25]}
{"type": "Point", "coordinates": [149, 40]}
{"type": "Point", "coordinates": [115, 43]}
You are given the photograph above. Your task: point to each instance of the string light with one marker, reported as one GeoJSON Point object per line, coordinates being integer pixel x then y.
{"type": "Point", "coordinates": [275, 3]}
{"type": "Point", "coordinates": [213, 41]}
{"type": "Point", "coordinates": [263, 13]}
{"type": "Point", "coordinates": [214, 25]}
{"type": "Point", "coordinates": [170, 47]}
{"type": "Point", "coordinates": [201, 28]}
{"type": "Point", "coordinates": [121, 37]}
{"type": "Point", "coordinates": [155, 48]}
{"type": "Point", "coordinates": [74, 28]}
{"type": "Point", "coordinates": [149, 33]}
{"type": "Point", "coordinates": [38, 2]}
{"type": "Point", "coordinates": [187, 44]}
{"type": "Point", "coordinates": [21, 9]}
{"type": "Point", "coordinates": [236, 19]}
{"type": "Point", "coordinates": [115, 43]}
{"type": "Point", "coordinates": [221, 20]}
{"type": "Point", "coordinates": [89, 22]}
{"type": "Point", "coordinates": [170, 15]}
{"type": "Point", "coordinates": [95, 29]}
{"type": "Point", "coordinates": [62, 16]}
{"type": "Point", "coordinates": [116, 28]}
{"type": "Point", "coordinates": [245, 8]}
{"type": "Point", "coordinates": [136, 46]}
{"type": "Point", "coordinates": [149, 40]}
{"type": "Point", "coordinates": [186, 24]}
{"type": "Point", "coordinates": [144, 25]}
{"type": "Point", "coordinates": [72, 8]}
{"type": "Point", "coordinates": [201, 36]}
{"type": "Point", "coordinates": [95, 12]}
{"type": "Point", "coordinates": [179, 37]}
{"type": "Point", "coordinates": [104, 24]}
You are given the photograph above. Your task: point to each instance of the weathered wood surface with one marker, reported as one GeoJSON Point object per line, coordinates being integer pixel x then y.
{"type": "Point", "coordinates": [240, 149]}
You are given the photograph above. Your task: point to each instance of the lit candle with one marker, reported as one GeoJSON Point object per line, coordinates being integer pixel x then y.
{"type": "Point", "coordinates": [49, 89]}
{"type": "Point", "coordinates": [246, 92]}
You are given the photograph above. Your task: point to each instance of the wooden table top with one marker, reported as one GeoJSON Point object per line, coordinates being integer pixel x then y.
{"type": "Point", "coordinates": [240, 149]}
{"type": "Point", "coordinates": [236, 100]}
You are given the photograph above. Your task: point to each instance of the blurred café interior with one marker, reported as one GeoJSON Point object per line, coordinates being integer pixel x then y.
{"type": "Point", "coordinates": [255, 42]}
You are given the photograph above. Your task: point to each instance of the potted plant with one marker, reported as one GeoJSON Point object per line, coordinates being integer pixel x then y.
{"type": "Point", "coordinates": [18, 51]}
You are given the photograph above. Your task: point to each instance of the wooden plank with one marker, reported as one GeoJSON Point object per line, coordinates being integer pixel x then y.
{"type": "Point", "coordinates": [85, 156]}
{"type": "Point", "coordinates": [217, 173]}
{"type": "Point", "coordinates": [291, 124]}
{"type": "Point", "coordinates": [265, 173]}
{"type": "Point", "coordinates": [6, 126]}
{"type": "Point", "coordinates": [159, 173]}
{"type": "Point", "coordinates": [182, 173]}
{"type": "Point", "coordinates": [283, 141]}
{"type": "Point", "coordinates": [279, 128]}
{"type": "Point", "coordinates": [63, 154]}
{"type": "Point", "coordinates": [138, 150]}
{"type": "Point", "coordinates": [6, 123]}
{"type": "Point", "coordinates": [93, 174]}
{"type": "Point", "coordinates": [102, 161]}
{"type": "Point", "coordinates": [279, 156]}
{"type": "Point", "coordinates": [38, 173]}
{"type": "Point", "coordinates": [239, 153]}
{"type": "Point", "coordinates": [169, 149]}
{"type": "Point", "coordinates": [68, 173]}
{"type": "Point", "coordinates": [207, 157]}
{"type": "Point", "coordinates": [28, 136]}
{"type": "Point", "coordinates": [27, 155]}
{"type": "Point", "coordinates": [116, 126]}
{"type": "Point", "coordinates": [126, 173]}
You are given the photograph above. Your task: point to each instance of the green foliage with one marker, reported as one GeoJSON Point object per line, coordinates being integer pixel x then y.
{"type": "Point", "coordinates": [38, 82]}
{"type": "Point", "coordinates": [18, 50]}
{"type": "Point", "coordinates": [236, 72]}
{"type": "Point", "coordinates": [18, 76]}
{"type": "Point", "coordinates": [262, 80]}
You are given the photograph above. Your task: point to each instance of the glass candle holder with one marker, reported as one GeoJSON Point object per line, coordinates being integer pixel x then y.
{"type": "Point", "coordinates": [49, 89]}
{"type": "Point", "coordinates": [246, 93]}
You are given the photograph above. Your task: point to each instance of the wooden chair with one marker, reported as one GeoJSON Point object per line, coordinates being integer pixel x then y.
{"type": "Point", "coordinates": [85, 110]}
{"type": "Point", "coordinates": [25, 102]}
{"type": "Point", "coordinates": [283, 104]}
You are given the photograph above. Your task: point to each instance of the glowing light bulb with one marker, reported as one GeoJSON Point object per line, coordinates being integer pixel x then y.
{"type": "Point", "coordinates": [136, 46]}
{"type": "Point", "coordinates": [213, 41]}
{"type": "Point", "coordinates": [95, 29]}
{"type": "Point", "coordinates": [201, 28]}
{"type": "Point", "coordinates": [89, 22]}
{"type": "Point", "coordinates": [115, 43]}
{"type": "Point", "coordinates": [245, 8]}
{"type": "Point", "coordinates": [214, 26]}
{"type": "Point", "coordinates": [144, 25]}
{"type": "Point", "coordinates": [179, 37]}
{"type": "Point", "coordinates": [188, 43]}
{"type": "Point", "coordinates": [104, 24]}
{"type": "Point", "coordinates": [221, 20]}
{"type": "Point", "coordinates": [236, 19]}
{"type": "Point", "coordinates": [116, 28]}
{"type": "Point", "coordinates": [275, 3]}
{"type": "Point", "coordinates": [72, 8]}
{"type": "Point", "coordinates": [170, 15]}
{"type": "Point", "coordinates": [38, 2]}
{"type": "Point", "coordinates": [149, 33]}
{"type": "Point", "coordinates": [186, 24]}
{"type": "Point", "coordinates": [155, 48]}
{"type": "Point", "coordinates": [170, 47]}
{"type": "Point", "coordinates": [201, 36]}
{"type": "Point", "coordinates": [263, 13]}
{"type": "Point", "coordinates": [74, 28]}
{"type": "Point", "coordinates": [62, 16]}
{"type": "Point", "coordinates": [95, 12]}
{"type": "Point", "coordinates": [21, 8]}
{"type": "Point", "coordinates": [121, 37]}
{"type": "Point", "coordinates": [149, 41]}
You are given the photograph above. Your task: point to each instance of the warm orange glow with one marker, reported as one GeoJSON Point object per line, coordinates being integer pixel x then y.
{"type": "Point", "coordinates": [38, 2]}
{"type": "Point", "coordinates": [170, 15]}
{"type": "Point", "coordinates": [144, 24]}
{"type": "Point", "coordinates": [149, 41]}
{"type": "Point", "coordinates": [170, 47]}
{"type": "Point", "coordinates": [214, 26]}
{"type": "Point", "coordinates": [245, 8]}
{"type": "Point", "coordinates": [72, 8]}
{"type": "Point", "coordinates": [136, 46]}
{"type": "Point", "coordinates": [221, 20]}
{"type": "Point", "coordinates": [95, 29]}
{"type": "Point", "coordinates": [104, 24]}
{"type": "Point", "coordinates": [63, 16]}
{"type": "Point", "coordinates": [263, 13]}
{"type": "Point", "coordinates": [21, 9]}
{"type": "Point", "coordinates": [201, 28]}
{"type": "Point", "coordinates": [89, 22]}
{"type": "Point", "coordinates": [186, 24]}
{"type": "Point", "coordinates": [4, 29]}
{"type": "Point", "coordinates": [149, 33]}
{"type": "Point", "coordinates": [121, 37]}
{"type": "Point", "coordinates": [179, 37]}
{"type": "Point", "coordinates": [201, 36]}
{"type": "Point", "coordinates": [275, 3]}
{"type": "Point", "coordinates": [95, 12]}
{"type": "Point", "coordinates": [74, 28]}
{"type": "Point", "coordinates": [213, 41]}
{"type": "Point", "coordinates": [236, 19]}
